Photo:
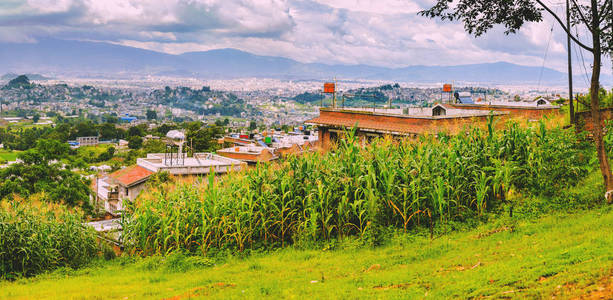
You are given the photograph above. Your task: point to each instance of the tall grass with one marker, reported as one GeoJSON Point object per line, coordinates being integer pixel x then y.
{"type": "Point", "coordinates": [34, 239]}
{"type": "Point", "coordinates": [357, 190]}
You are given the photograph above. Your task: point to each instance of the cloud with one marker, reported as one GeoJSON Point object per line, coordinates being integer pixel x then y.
{"type": "Point", "coordinates": [383, 33]}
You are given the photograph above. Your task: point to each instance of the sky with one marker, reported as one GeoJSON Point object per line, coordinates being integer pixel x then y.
{"type": "Point", "coordinates": [386, 33]}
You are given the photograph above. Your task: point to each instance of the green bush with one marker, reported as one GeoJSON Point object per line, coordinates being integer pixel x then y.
{"type": "Point", "coordinates": [34, 240]}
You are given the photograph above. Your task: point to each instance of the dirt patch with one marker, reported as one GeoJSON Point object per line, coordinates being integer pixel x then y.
{"type": "Point", "coordinates": [373, 268]}
{"type": "Point", "coordinates": [603, 289]}
{"type": "Point", "coordinates": [201, 291]}
{"type": "Point", "coordinates": [493, 231]}
{"type": "Point", "coordinates": [393, 286]}
{"type": "Point", "coordinates": [600, 289]}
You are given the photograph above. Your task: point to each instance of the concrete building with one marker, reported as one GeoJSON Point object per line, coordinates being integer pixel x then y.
{"type": "Point", "coordinates": [533, 110]}
{"type": "Point", "coordinates": [333, 122]}
{"type": "Point", "coordinates": [129, 182]}
{"type": "Point", "coordinates": [249, 154]}
{"type": "Point", "coordinates": [87, 141]}
{"type": "Point", "coordinates": [181, 165]}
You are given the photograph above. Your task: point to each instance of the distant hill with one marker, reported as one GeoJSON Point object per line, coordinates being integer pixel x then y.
{"type": "Point", "coordinates": [51, 56]}
{"type": "Point", "coordinates": [20, 81]}
{"type": "Point", "coordinates": [10, 76]}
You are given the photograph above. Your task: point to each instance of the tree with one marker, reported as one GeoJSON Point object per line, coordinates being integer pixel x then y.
{"type": "Point", "coordinates": [38, 173]}
{"type": "Point", "coordinates": [136, 131]}
{"type": "Point", "coordinates": [135, 142]}
{"type": "Point", "coordinates": [36, 118]}
{"type": "Point", "coordinates": [252, 125]}
{"type": "Point", "coordinates": [479, 16]}
{"type": "Point", "coordinates": [152, 115]}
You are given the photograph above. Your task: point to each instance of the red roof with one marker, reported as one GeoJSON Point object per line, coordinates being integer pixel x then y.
{"type": "Point", "coordinates": [131, 175]}
{"type": "Point", "coordinates": [388, 127]}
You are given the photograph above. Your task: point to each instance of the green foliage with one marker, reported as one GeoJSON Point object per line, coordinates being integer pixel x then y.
{"type": "Point", "coordinates": [34, 240]}
{"type": "Point", "coordinates": [563, 255]}
{"type": "Point", "coordinates": [21, 81]}
{"type": "Point", "coordinates": [152, 114]}
{"type": "Point", "coordinates": [357, 191]}
{"type": "Point", "coordinates": [42, 172]}
{"type": "Point", "coordinates": [203, 138]}
{"type": "Point", "coordinates": [308, 97]}
{"type": "Point", "coordinates": [135, 142]}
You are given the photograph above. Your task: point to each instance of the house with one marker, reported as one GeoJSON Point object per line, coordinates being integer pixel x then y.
{"type": "Point", "coordinates": [333, 122]}
{"type": "Point", "coordinates": [180, 165]}
{"type": "Point", "coordinates": [120, 185]}
{"type": "Point", "coordinates": [87, 141]}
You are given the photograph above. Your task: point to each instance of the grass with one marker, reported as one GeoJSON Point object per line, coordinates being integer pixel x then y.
{"type": "Point", "coordinates": [564, 255]}
{"type": "Point", "coordinates": [8, 155]}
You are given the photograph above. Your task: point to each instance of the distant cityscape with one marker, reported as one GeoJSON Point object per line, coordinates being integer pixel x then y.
{"type": "Point", "coordinates": [268, 102]}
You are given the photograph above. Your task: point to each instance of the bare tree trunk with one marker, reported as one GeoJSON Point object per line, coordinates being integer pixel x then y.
{"type": "Point", "coordinates": [605, 167]}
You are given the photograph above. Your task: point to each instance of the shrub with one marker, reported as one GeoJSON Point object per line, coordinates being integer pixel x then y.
{"type": "Point", "coordinates": [35, 239]}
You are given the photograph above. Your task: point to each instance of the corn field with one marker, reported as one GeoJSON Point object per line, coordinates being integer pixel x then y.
{"type": "Point", "coordinates": [35, 239]}
{"type": "Point", "coordinates": [357, 190]}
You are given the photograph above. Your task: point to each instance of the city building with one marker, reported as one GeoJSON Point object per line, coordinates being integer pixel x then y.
{"type": "Point", "coordinates": [249, 154]}
{"type": "Point", "coordinates": [87, 141]}
{"type": "Point", "coordinates": [533, 110]}
{"type": "Point", "coordinates": [333, 122]}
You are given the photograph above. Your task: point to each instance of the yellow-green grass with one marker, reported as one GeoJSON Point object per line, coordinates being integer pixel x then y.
{"type": "Point", "coordinates": [562, 255]}
{"type": "Point", "coordinates": [8, 155]}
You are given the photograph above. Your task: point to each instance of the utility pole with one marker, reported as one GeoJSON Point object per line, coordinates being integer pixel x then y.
{"type": "Point", "coordinates": [570, 67]}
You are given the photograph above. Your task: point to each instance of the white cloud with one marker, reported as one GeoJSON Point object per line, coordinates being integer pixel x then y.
{"type": "Point", "coordinates": [384, 33]}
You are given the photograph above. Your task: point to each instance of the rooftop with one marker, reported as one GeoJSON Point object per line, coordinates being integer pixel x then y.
{"type": "Point", "coordinates": [200, 163]}
{"type": "Point", "coordinates": [246, 149]}
{"type": "Point", "coordinates": [131, 175]}
{"type": "Point", "coordinates": [418, 121]}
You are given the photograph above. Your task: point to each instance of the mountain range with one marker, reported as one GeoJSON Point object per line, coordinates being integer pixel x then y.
{"type": "Point", "coordinates": [97, 59]}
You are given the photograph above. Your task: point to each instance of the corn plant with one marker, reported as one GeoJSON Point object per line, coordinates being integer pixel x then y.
{"type": "Point", "coordinates": [356, 189]}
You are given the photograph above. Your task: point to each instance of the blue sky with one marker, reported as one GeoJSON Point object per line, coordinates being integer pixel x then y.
{"type": "Point", "coordinates": [382, 33]}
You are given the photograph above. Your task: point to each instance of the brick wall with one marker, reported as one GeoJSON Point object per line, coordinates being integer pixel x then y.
{"type": "Point", "coordinates": [414, 125]}
{"type": "Point", "coordinates": [528, 112]}
{"type": "Point", "coordinates": [584, 119]}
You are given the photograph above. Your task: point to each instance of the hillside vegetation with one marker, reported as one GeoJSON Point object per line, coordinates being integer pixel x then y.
{"type": "Point", "coordinates": [559, 255]}
{"type": "Point", "coordinates": [510, 212]}
{"type": "Point", "coordinates": [368, 192]}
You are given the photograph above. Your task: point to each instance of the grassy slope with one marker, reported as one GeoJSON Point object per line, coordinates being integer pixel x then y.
{"type": "Point", "coordinates": [564, 255]}
{"type": "Point", "coordinates": [8, 156]}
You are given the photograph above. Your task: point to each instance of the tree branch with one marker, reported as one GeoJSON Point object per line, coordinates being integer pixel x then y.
{"type": "Point", "coordinates": [564, 27]}
{"type": "Point", "coordinates": [607, 10]}
{"type": "Point", "coordinates": [582, 16]}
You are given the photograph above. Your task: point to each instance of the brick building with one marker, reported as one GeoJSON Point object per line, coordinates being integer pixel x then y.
{"type": "Point", "coordinates": [333, 122]}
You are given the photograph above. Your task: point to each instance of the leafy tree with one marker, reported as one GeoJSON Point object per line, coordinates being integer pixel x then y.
{"type": "Point", "coordinates": [136, 131]}
{"type": "Point", "coordinates": [165, 128]}
{"type": "Point", "coordinates": [106, 155]}
{"type": "Point", "coordinates": [252, 125]}
{"type": "Point", "coordinates": [203, 139]}
{"type": "Point", "coordinates": [36, 118]}
{"type": "Point", "coordinates": [83, 128]}
{"type": "Point", "coordinates": [154, 146]}
{"type": "Point", "coordinates": [135, 142]}
{"type": "Point", "coordinates": [40, 173]}
{"type": "Point", "coordinates": [152, 114]}
{"type": "Point", "coordinates": [479, 16]}
{"type": "Point", "coordinates": [108, 131]}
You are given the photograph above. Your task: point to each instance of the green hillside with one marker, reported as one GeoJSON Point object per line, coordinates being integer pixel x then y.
{"type": "Point", "coordinates": [563, 255]}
